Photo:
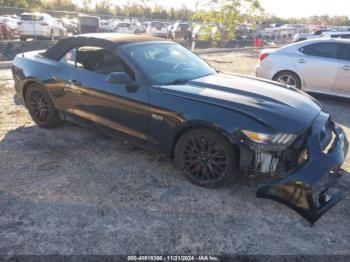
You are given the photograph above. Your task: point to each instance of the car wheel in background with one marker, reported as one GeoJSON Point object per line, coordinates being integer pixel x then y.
{"type": "Point", "coordinates": [22, 38]}
{"type": "Point", "coordinates": [289, 78]}
{"type": "Point", "coordinates": [11, 34]}
{"type": "Point", "coordinates": [60, 36]}
{"type": "Point", "coordinates": [40, 107]}
{"type": "Point", "coordinates": [206, 158]}
{"type": "Point", "coordinates": [52, 35]}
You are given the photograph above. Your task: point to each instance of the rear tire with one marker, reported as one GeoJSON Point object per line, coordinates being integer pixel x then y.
{"type": "Point", "coordinates": [289, 78]}
{"type": "Point", "coordinates": [22, 38]}
{"type": "Point", "coordinates": [41, 107]}
{"type": "Point", "coordinates": [206, 158]}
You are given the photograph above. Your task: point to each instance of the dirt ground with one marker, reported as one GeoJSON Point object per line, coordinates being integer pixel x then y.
{"type": "Point", "coordinates": [73, 191]}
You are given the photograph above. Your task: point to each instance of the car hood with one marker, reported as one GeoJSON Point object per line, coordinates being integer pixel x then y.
{"type": "Point", "coordinates": [281, 108]}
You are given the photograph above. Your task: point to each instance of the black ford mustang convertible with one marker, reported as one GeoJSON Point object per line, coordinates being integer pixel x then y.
{"type": "Point", "coordinates": [217, 127]}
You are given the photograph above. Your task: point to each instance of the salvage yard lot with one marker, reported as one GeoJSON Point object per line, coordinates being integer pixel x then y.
{"type": "Point", "coordinates": [73, 191]}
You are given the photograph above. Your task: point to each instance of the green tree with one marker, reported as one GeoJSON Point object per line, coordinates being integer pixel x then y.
{"type": "Point", "coordinates": [172, 14]}
{"type": "Point", "coordinates": [105, 7]}
{"type": "Point", "coordinates": [86, 4]}
{"type": "Point", "coordinates": [228, 15]}
{"type": "Point", "coordinates": [159, 12]}
{"type": "Point", "coordinates": [145, 8]}
{"type": "Point", "coordinates": [183, 13]}
{"type": "Point", "coordinates": [15, 3]}
{"type": "Point", "coordinates": [59, 5]}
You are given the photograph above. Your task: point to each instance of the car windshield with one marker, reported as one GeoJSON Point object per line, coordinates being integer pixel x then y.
{"type": "Point", "coordinates": [168, 63]}
{"type": "Point", "coordinates": [32, 17]}
{"type": "Point", "coordinates": [89, 20]}
{"type": "Point", "coordinates": [157, 24]}
{"type": "Point", "coordinates": [123, 25]}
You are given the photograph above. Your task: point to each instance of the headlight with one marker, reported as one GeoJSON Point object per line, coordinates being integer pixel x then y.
{"type": "Point", "coordinates": [282, 139]}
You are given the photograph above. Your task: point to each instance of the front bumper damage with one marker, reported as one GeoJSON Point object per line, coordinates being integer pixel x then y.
{"type": "Point", "coordinates": [304, 190]}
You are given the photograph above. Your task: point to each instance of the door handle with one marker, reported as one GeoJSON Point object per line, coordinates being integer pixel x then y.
{"type": "Point", "coordinates": [74, 82]}
{"type": "Point", "coordinates": [56, 78]}
{"type": "Point", "coordinates": [74, 87]}
{"type": "Point", "coordinates": [301, 61]}
{"type": "Point", "coordinates": [75, 91]}
{"type": "Point", "coordinates": [346, 67]}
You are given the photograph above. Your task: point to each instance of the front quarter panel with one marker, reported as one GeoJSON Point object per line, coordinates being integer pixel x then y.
{"type": "Point", "coordinates": [171, 115]}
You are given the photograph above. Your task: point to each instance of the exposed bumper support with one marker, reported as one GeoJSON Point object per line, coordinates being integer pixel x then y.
{"type": "Point", "coordinates": [299, 189]}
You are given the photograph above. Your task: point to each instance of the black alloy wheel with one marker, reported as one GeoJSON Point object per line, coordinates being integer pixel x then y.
{"type": "Point", "coordinates": [206, 158]}
{"type": "Point", "coordinates": [41, 107]}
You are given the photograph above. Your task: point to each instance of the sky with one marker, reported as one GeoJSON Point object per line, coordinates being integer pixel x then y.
{"type": "Point", "coordinates": [304, 8]}
{"type": "Point", "coordinates": [284, 8]}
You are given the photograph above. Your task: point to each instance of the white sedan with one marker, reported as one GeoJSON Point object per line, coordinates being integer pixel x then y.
{"type": "Point", "coordinates": [319, 65]}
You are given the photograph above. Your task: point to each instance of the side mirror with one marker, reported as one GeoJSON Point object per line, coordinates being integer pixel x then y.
{"type": "Point", "coordinates": [119, 78]}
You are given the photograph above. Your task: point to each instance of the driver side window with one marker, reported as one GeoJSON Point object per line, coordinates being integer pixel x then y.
{"type": "Point", "coordinates": [101, 61]}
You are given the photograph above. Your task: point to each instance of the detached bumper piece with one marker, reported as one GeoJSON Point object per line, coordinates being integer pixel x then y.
{"type": "Point", "coordinates": [311, 189]}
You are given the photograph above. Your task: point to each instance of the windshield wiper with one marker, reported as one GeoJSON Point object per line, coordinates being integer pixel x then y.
{"type": "Point", "coordinates": [207, 74]}
{"type": "Point", "coordinates": [184, 80]}
{"type": "Point", "coordinates": [177, 81]}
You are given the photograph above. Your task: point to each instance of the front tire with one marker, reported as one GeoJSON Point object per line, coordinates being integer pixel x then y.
{"type": "Point", "coordinates": [206, 158]}
{"type": "Point", "coordinates": [289, 78]}
{"type": "Point", "coordinates": [41, 107]}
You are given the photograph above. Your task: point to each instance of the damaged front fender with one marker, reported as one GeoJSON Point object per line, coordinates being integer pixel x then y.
{"type": "Point", "coordinates": [301, 189]}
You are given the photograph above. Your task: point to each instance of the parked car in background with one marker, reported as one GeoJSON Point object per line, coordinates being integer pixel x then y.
{"type": "Point", "coordinates": [182, 31]}
{"type": "Point", "coordinates": [106, 26]}
{"type": "Point", "coordinates": [217, 127]}
{"type": "Point", "coordinates": [337, 34]}
{"type": "Point", "coordinates": [319, 65]}
{"type": "Point", "coordinates": [124, 27]}
{"type": "Point", "coordinates": [89, 24]}
{"type": "Point", "coordinates": [343, 28]}
{"type": "Point", "coordinates": [9, 27]}
{"type": "Point", "coordinates": [139, 28]}
{"type": "Point", "coordinates": [6, 32]}
{"type": "Point", "coordinates": [71, 25]}
{"type": "Point", "coordinates": [157, 28]}
{"type": "Point", "coordinates": [289, 30]}
{"type": "Point", "coordinates": [40, 26]}
{"type": "Point", "coordinates": [308, 36]}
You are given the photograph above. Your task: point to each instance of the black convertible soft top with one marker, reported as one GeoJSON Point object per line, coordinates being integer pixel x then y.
{"type": "Point", "coordinates": [106, 40]}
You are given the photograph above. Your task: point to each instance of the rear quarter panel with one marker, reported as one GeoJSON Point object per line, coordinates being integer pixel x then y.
{"type": "Point", "coordinates": [32, 67]}
{"type": "Point", "coordinates": [282, 60]}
